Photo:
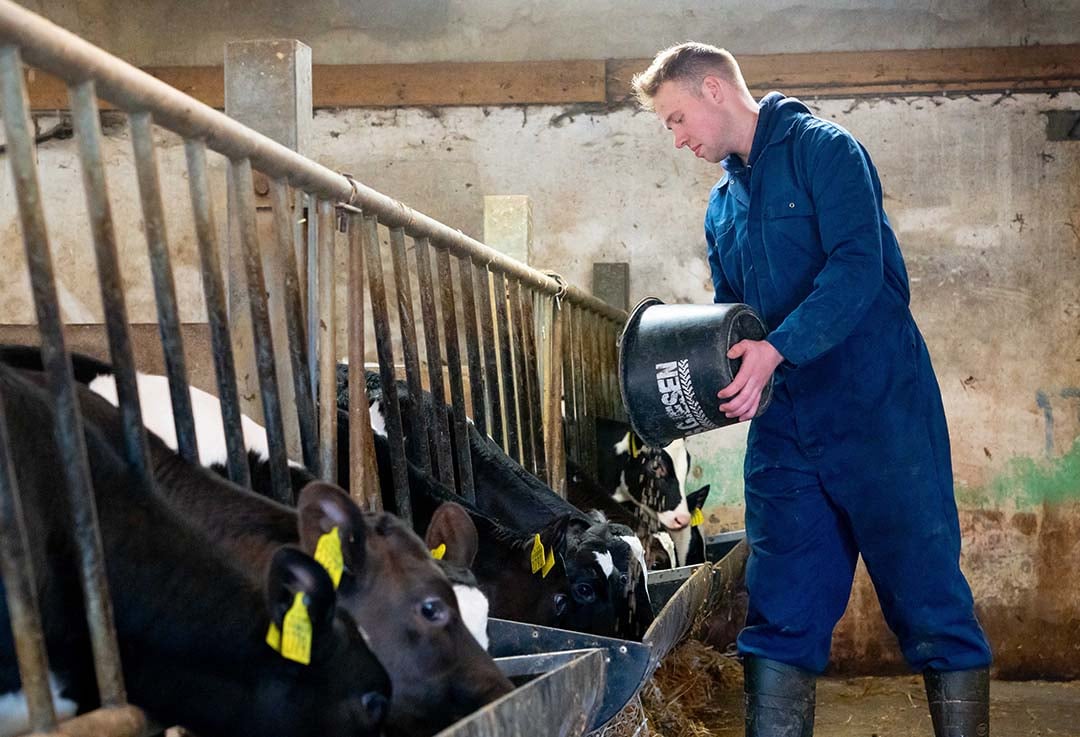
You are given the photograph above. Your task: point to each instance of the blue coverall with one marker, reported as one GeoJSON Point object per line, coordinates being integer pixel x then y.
{"type": "Point", "coordinates": [852, 456]}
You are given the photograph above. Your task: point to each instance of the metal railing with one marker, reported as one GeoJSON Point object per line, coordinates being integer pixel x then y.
{"type": "Point", "coordinates": [537, 353]}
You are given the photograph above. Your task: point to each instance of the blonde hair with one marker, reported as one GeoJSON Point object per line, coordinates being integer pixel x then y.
{"type": "Point", "coordinates": [688, 63]}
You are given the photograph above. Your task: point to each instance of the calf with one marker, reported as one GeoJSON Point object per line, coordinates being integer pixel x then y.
{"type": "Point", "coordinates": [191, 627]}
{"type": "Point", "coordinates": [397, 595]}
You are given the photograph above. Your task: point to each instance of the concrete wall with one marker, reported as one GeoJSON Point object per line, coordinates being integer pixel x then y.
{"type": "Point", "coordinates": [987, 211]}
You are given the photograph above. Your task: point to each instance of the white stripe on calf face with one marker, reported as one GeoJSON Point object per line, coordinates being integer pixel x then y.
{"type": "Point", "coordinates": [14, 717]}
{"type": "Point", "coordinates": [378, 422]}
{"type": "Point", "coordinates": [680, 459]}
{"type": "Point", "coordinates": [474, 612]}
{"type": "Point", "coordinates": [607, 565]}
{"type": "Point", "coordinates": [669, 547]}
{"type": "Point", "coordinates": [635, 548]}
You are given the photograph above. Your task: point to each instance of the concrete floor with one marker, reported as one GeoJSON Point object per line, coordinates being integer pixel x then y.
{"type": "Point", "coordinates": [896, 707]}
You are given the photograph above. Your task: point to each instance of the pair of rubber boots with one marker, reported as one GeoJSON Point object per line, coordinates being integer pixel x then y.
{"type": "Point", "coordinates": [780, 700]}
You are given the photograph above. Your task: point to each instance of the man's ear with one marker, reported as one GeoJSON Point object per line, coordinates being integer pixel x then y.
{"type": "Point", "coordinates": [713, 88]}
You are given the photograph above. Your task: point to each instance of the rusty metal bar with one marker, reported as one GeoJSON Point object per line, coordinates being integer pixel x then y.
{"type": "Point", "coordinates": [472, 346]}
{"type": "Point", "coordinates": [285, 232]}
{"type": "Point", "coordinates": [440, 429]}
{"type": "Point", "coordinates": [594, 379]}
{"type": "Point", "coordinates": [114, 721]}
{"type": "Point", "coordinates": [521, 377]}
{"type": "Point", "coordinates": [172, 342]}
{"type": "Point", "coordinates": [24, 613]}
{"type": "Point", "coordinates": [73, 59]}
{"type": "Point", "coordinates": [384, 346]}
{"type": "Point", "coordinates": [536, 416]}
{"type": "Point", "coordinates": [363, 471]}
{"type": "Point", "coordinates": [491, 370]}
{"type": "Point", "coordinates": [243, 195]}
{"type": "Point", "coordinates": [569, 407]}
{"type": "Point", "coordinates": [506, 367]}
{"type": "Point", "coordinates": [216, 312]}
{"type": "Point", "coordinates": [554, 423]}
{"type": "Point", "coordinates": [581, 406]}
{"type": "Point", "coordinates": [61, 380]}
{"type": "Point", "coordinates": [417, 442]}
{"type": "Point", "coordinates": [453, 364]}
{"type": "Point", "coordinates": [84, 114]}
{"type": "Point", "coordinates": [327, 345]}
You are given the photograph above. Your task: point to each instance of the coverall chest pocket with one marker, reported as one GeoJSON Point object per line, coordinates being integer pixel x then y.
{"type": "Point", "coordinates": [790, 224]}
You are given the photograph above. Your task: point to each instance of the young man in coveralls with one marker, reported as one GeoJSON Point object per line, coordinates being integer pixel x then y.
{"type": "Point", "coordinates": [852, 455]}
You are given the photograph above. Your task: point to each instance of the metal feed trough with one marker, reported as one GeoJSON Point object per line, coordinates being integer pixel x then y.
{"type": "Point", "coordinates": [527, 342]}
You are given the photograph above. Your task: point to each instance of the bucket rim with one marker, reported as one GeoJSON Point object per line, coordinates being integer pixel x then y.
{"type": "Point", "coordinates": [629, 332]}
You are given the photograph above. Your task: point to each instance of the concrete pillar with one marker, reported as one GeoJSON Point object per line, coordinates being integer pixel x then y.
{"type": "Point", "coordinates": [268, 89]}
{"type": "Point", "coordinates": [611, 283]}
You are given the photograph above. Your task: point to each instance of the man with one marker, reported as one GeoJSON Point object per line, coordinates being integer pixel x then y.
{"type": "Point", "coordinates": [852, 455]}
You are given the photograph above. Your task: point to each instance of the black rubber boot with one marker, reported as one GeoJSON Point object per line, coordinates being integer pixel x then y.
{"type": "Point", "coordinates": [779, 699]}
{"type": "Point", "coordinates": [959, 702]}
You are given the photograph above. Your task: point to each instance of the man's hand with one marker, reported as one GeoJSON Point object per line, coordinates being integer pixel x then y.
{"type": "Point", "coordinates": [759, 360]}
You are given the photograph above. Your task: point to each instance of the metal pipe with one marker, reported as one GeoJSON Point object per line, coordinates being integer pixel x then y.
{"type": "Point", "coordinates": [172, 342]}
{"type": "Point", "coordinates": [491, 369]}
{"type": "Point", "coordinates": [506, 367]}
{"type": "Point", "coordinates": [216, 312]}
{"type": "Point", "coordinates": [21, 595]}
{"type": "Point", "coordinates": [472, 346]}
{"type": "Point", "coordinates": [554, 423]}
{"type": "Point", "coordinates": [536, 417]}
{"type": "Point", "coordinates": [114, 721]}
{"type": "Point", "coordinates": [569, 385]}
{"type": "Point", "coordinates": [84, 115]}
{"type": "Point", "coordinates": [65, 55]}
{"type": "Point", "coordinates": [243, 195]}
{"type": "Point", "coordinates": [417, 442]}
{"type": "Point", "coordinates": [521, 377]}
{"type": "Point", "coordinates": [385, 348]}
{"type": "Point", "coordinates": [453, 364]}
{"type": "Point", "coordinates": [327, 345]}
{"type": "Point", "coordinates": [68, 430]}
{"type": "Point", "coordinates": [594, 381]}
{"type": "Point", "coordinates": [285, 233]}
{"type": "Point", "coordinates": [440, 429]}
{"type": "Point", "coordinates": [363, 470]}
{"type": "Point", "coordinates": [581, 402]}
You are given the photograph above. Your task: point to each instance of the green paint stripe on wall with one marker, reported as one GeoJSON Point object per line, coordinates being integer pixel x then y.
{"type": "Point", "coordinates": [723, 471]}
{"type": "Point", "coordinates": [1029, 482]}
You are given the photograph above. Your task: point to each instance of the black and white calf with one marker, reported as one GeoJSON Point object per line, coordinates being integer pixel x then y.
{"type": "Point", "coordinates": [191, 626]}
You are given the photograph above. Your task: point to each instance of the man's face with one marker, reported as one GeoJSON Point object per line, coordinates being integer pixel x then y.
{"type": "Point", "coordinates": [698, 121]}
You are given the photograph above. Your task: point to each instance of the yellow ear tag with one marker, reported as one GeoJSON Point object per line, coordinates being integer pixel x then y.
{"type": "Point", "coordinates": [273, 637]}
{"type": "Point", "coordinates": [537, 555]}
{"type": "Point", "coordinates": [296, 632]}
{"type": "Point", "coordinates": [439, 552]}
{"type": "Point", "coordinates": [549, 563]}
{"type": "Point", "coordinates": [634, 449]}
{"type": "Point", "coordinates": [697, 517]}
{"type": "Point", "coordinates": [329, 556]}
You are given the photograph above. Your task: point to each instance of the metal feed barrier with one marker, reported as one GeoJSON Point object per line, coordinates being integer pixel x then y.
{"type": "Point", "coordinates": [538, 354]}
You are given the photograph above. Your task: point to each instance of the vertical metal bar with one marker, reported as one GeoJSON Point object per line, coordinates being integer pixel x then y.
{"type": "Point", "coordinates": [418, 436]}
{"type": "Point", "coordinates": [506, 367]}
{"type": "Point", "coordinates": [440, 429]}
{"type": "Point", "coordinates": [241, 181]}
{"type": "Point", "coordinates": [491, 371]}
{"type": "Point", "coordinates": [385, 348]}
{"type": "Point", "coordinates": [594, 381]}
{"type": "Point", "coordinates": [327, 345]}
{"type": "Point", "coordinates": [581, 402]}
{"type": "Point", "coordinates": [453, 363]}
{"type": "Point", "coordinates": [216, 312]}
{"type": "Point", "coordinates": [284, 228]}
{"type": "Point", "coordinates": [521, 375]}
{"type": "Point", "coordinates": [607, 360]}
{"type": "Point", "coordinates": [566, 311]}
{"type": "Point", "coordinates": [536, 416]}
{"type": "Point", "coordinates": [554, 422]}
{"type": "Point", "coordinates": [87, 126]}
{"type": "Point", "coordinates": [22, 605]}
{"type": "Point", "coordinates": [472, 345]}
{"type": "Point", "coordinates": [172, 342]}
{"type": "Point", "coordinates": [61, 380]}
{"type": "Point", "coordinates": [363, 470]}
{"type": "Point", "coordinates": [311, 261]}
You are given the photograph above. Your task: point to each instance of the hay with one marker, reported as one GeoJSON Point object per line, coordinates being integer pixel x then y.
{"type": "Point", "coordinates": [683, 693]}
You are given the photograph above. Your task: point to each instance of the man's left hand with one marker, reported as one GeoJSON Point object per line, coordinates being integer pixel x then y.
{"type": "Point", "coordinates": [759, 360]}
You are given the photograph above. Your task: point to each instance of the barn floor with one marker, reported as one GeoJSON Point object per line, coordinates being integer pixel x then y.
{"type": "Point", "coordinates": [709, 704]}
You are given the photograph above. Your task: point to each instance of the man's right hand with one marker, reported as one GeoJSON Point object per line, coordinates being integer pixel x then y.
{"type": "Point", "coordinates": [759, 360]}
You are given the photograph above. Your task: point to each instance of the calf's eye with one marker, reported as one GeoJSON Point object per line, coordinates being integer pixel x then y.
{"type": "Point", "coordinates": [434, 610]}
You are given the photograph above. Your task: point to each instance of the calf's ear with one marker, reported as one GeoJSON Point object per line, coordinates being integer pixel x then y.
{"type": "Point", "coordinates": [321, 508]}
{"type": "Point", "coordinates": [696, 499]}
{"type": "Point", "coordinates": [452, 526]}
{"type": "Point", "coordinates": [300, 588]}
{"type": "Point", "coordinates": [554, 534]}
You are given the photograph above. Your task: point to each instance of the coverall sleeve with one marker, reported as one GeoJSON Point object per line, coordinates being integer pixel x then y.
{"type": "Point", "coordinates": [722, 291]}
{"type": "Point", "coordinates": [849, 226]}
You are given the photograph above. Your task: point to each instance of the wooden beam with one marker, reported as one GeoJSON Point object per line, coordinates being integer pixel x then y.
{"type": "Point", "coordinates": [827, 74]}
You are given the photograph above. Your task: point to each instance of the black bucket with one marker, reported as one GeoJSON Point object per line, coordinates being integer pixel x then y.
{"type": "Point", "coordinates": [672, 362]}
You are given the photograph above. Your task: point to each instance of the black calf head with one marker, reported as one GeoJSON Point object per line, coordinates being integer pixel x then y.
{"type": "Point", "coordinates": [407, 609]}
